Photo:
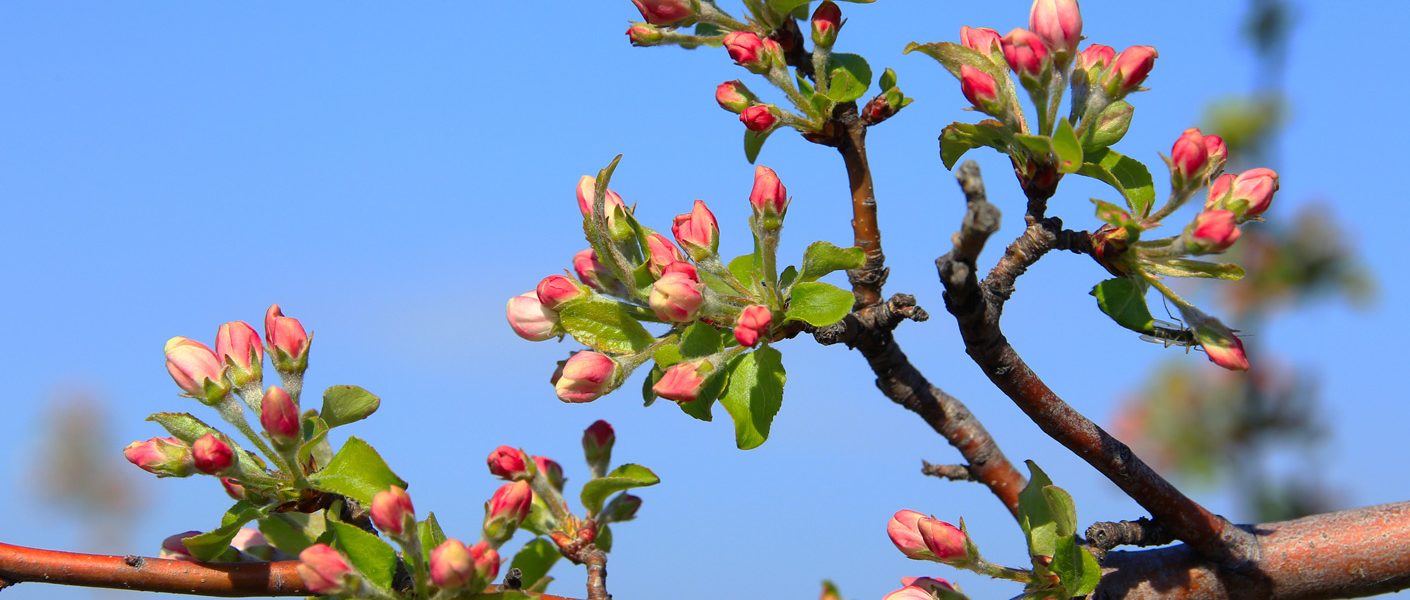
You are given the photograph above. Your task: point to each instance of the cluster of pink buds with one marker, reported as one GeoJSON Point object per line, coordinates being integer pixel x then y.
{"type": "Point", "coordinates": [451, 566]}
{"type": "Point", "coordinates": [455, 566]}
{"type": "Point", "coordinates": [927, 538]}
{"type": "Point", "coordinates": [1195, 158]}
{"type": "Point", "coordinates": [1247, 194]}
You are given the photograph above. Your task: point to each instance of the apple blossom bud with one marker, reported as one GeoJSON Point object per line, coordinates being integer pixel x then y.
{"type": "Point", "coordinates": [1216, 339]}
{"type": "Point", "coordinates": [1095, 57]}
{"type": "Point", "coordinates": [733, 96]}
{"type": "Point", "coordinates": [598, 440]}
{"type": "Point", "coordinates": [827, 19]}
{"type": "Point", "coordinates": [697, 231]}
{"type": "Point", "coordinates": [174, 546]}
{"type": "Point", "coordinates": [1218, 153]}
{"type": "Point", "coordinates": [212, 455]}
{"type": "Point", "coordinates": [1187, 158]}
{"type": "Point", "coordinates": [683, 381]}
{"type": "Point", "coordinates": [981, 39]}
{"type": "Point", "coordinates": [621, 508]}
{"type": "Point", "coordinates": [506, 509]}
{"type": "Point", "coordinates": [922, 588]}
{"type": "Point", "coordinates": [1129, 69]}
{"type": "Point", "coordinates": [530, 319]}
{"type": "Point", "coordinates": [555, 290]}
{"type": "Point", "coordinates": [279, 415]}
{"type": "Point", "coordinates": [751, 51]}
{"type": "Point", "coordinates": [486, 561]}
{"type": "Point", "coordinates": [753, 323]}
{"type": "Point", "coordinates": [1059, 23]}
{"type": "Point", "coordinates": [587, 189]}
{"type": "Point", "coordinates": [678, 295]}
{"type": "Point", "coordinates": [451, 565]}
{"type": "Point", "coordinates": [551, 470]}
{"type": "Point", "coordinates": [667, 12]}
{"type": "Point", "coordinates": [238, 346]}
{"type": "Point", "coordinates": [759, 117]}
{"type": "Point", "coordinates": [163, 457]}
{"type": "Point", "coordinates": [196, 370]}
{"type": "Point", "coordinates": [288, 342]}
{"type": "Point", "coordinates": [508, 463]}
{"type": "Point", "coordinates": [644, 34]}
{"type": "Point", "coordinates": [1026, 55]}
{"type": "Point", "coordinates": [905, 534]}
{"type": "Point", "coordinates": [981, 90]}
{"type": "Point", "coordinates": [909, 593]}
{"type": "Point", "coordinates": [943, 540]}
{"type": "Point", "coordinates": [768, 196]}
{"type": "Point", "coordinates": [1247, 194]}
{"type": "Point", "coordinates": [1213, 231]}
{"type": "Point", "coordinates": [233, 488]}
{"type": "Point", "coordinates": [325, 571]}
{"type": "Point", "coordinates": [392, 512]}
{"type": "Point", "coordinates": [591, 271]}
{"type": "Point", "coordinates": [660, 253]}
{"type": "Point", "coordinates": [586, 376]}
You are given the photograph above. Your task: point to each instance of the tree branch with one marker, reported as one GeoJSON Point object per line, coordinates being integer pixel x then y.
{"type": "Point", "coordinates": [977, 308]}
{"type": "Point", "coordinates": [951, 472]}
{"type": "Point", "coordinates": [851, 142]}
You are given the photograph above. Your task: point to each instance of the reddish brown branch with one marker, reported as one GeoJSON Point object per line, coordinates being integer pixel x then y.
{"type": "Point", "coordinates": [851, 141]}
{"type": "Point", "coordinates": [19, 564]}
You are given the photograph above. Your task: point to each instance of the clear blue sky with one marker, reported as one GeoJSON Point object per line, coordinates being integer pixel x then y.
{"type": "Point", "coordinates": [392, 174]}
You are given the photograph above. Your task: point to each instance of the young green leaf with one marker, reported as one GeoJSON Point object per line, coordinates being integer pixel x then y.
{"type": "Point", "coordinates": [1126, 174]}
{"type": "Point", "coordinates": [315, 448]}
{"type": "Point", "coordinates": [700, 340]}
{"type": "Point", "coordinates": [187, 428]}
{"type": "Point", "coordinates": [1063, 508]}
{"type": "Point", "coordinates": [605, 326]}
{"type": "Point", "coordinates": [822, 258]}
{"type": "Point", "coordinates": [210, 545]}
{"type": "Point", "coordinates": [430, 534]}
{"type": "Point", "coordinates": [952, 56]}
{"type": "Point", "coordinates": [1124, 300]}
{"type": "Point", "coordinates": [958, 138]}
{"type": "Point", "coordinates": [754, 142]}
{"type": "Point", "coordinates": [291, 532]}
{"type": "Point", "coordinates": [534, 561]}
{"type": "Point", "coordinates": [754, 394]}
{"type": "Point", "coordinates": [818, 304]}
{"type": "Point", "coordinates": [1075, 567]}
{"type": "Point", "coordinates": [1034, 514]}
{"type": "Point", "coordinates": [357, 472]}
{"type": "Point", "coordinates": [1181, 267]}
{"type": "Point", "coordinates": [343, 404]}
{"type": "Point", "coordinates": [1066, 147]}
{"type": "Point", "coordinates": [625, 477]}
{"type": "Point", "coordinates": [366, 552]}
{"type": "Point", "coordinates": [849, 75]}
{"type": "Point", "coordinates": [745, 268]}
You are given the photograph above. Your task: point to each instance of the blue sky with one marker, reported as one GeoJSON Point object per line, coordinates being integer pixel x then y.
{"type": "Point", "coordinates": [392, 175]}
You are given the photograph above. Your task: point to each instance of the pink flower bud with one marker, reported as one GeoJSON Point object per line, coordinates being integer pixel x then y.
{"type": "Point", "coordinates": [195, 369]}
{"type": "Point", "coordinates": [551, 470]}
{"type": "Point", "coordinates": [752, 324]}
{"type": "Point", "coordinates": [211, 454]}
{"type": "Point", "coordinates": [733, 96]}
{"type": "Point", "coordinates": [1025, 53]}
{"type": "Point", "coordinates": [1248, 194]}
{"type": "Point", "coordinates": [1217, 151]}
{"type": "Point", "coordinates": [920, 588]}
{"type": "Point", "coordinates": [586, 376]}
{"type": "Point", "coordinates": [486, 561]}
{"type": "Point", "coordinates": [980, 39]}
{"type": "Point", "coordinates": [233, 488]}
{"type": "Point", "coordinates": [665, 12]}
{"type": "Point", "coordinates": [587, 188]}
{"type": "Point", "coordinates": [174, 546]}
{"type": "Point", "coordinates": [980, 89]}
{"type": "Point", "coordinates": [1058, 22]}
{"type": "Point", "coordinates": [750, 51]}
{"type": "Point", "coordinates": [683, 381]}
{"type": "Point", "coordinates": [909, 593]}
{"type": "Point", "coordinates": [678, 295]}
{"type": "Point", "coordinates": [590, 270]}
{"type": "Point", "coordinates": [827, 19]}
{"type": "Point", "coordinates": [1217, 340]}
{"type": "Point", "coordinates": [768, 197]}
{"type": "Point", "coordinates": [598, 440]}
{"type": "Point", "coordinates": [644, 34]}
{"type": "Point", "coordinates": [288, 342]}
{"type": "Point", "coordinates": [697, 231]}
{"type": "Point", "coordinates": [279, 415]}
{"type": "Point", "coordinates": [555, 290]}
{"type": "Point", "coordinates": [511, 502]}
{"type": "Point", "coordinates": [452, 567]}
{"type": "Point", "coordinates": [943, 540]}
{"type": "Point", "coordinates": [928, 583]}
{"type": "Point", "coordinates": [759, 117]}
{"type": "Point", "coordinates": [1095, 56]}
{"type": "Point", "coordinates": [1189, 155]}
{"type": "Point", "coordinates": [1213, 231]}
{"type": "Point", "coordinates": [530, 319]}
{"type": "Point", "coordinates": [325, 571]}
{"type": "Point", "coordinates": [392, 511]}
{"type": "Point", "coordinates": [163, 457]}
{"type": "Point", "coordinates": [1129, 70]}
{"type": "Point", "coordinates": [903, 528]}
{"type": "Point", "coordinates": [660, 253]}
{"type": "Point", "coordinates": [508, 463]}
{"type": "Point", "coordinates": [237, 344]}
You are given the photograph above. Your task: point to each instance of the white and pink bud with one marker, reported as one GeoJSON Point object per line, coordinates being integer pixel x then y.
{"type": "Point", "coordinates": [485, 560]}
{"type": "Point", "coordinates": [591, 271]}
{"type": "Point", "coordinates": [753, 324]}
{"type": "Point", "coordinates": [981, 90]}
{"type": "Point", "coordinates": [393, 513]}
{"type": "Point", "coordinates": [668, 12]}
{"type": "Point", "coordinates": [759, 117]}
{"type": "Point", "coordinates": [661, 253]}
{"type": "Point", "coordinates": [287, 340]}
{"type": "Point", "coordinates": [211, 455]}
{"type": "Point", "coordinates": [556, 290]}
{"type": "Point", "coordinates": [768, 197]}
{"type": "Point", "coordinates": [944, 540]}
{"type": "Point", "coordinates": [1027, 55]}
{"type": "Point", "coordinates": [238, 346]}
{"type": "Point", "coordinates": [733, 96]}
{"type": "Point", "coordinates": [163, 457]}
{"type": "Point", "coordinates": [530, 319]}
{"type": "Point", "coordinates": [645, 34]}
{"type": "Point", "coordinates": [1194, 157]}
{"type": "Point", "coordinates": [697, 231]}
{"type": "Point", "coordinates": [233, 488]}
{"type": "Point", "coordinates": [551, 471]}
{"type": "Point", "coordinates": [1247, 194]}
{"type": "Point", "coordinates": [174, 546]}
{"type": "Point", "coordinates": [683, 381]}
{"type": "Point", "coordinates": [325, 571]}
{"type": "Point", "coordinates": [1223, 347]}
{"type": "Point", "coordinates": [196, 370]}
{"type": "Point", "coordinates": [826, 21]}
{"type": "Point", "coordinates": [678, 295]}
{"type": "Point", "coordinates": [586, 376]}
{"type": "Point", "coordinates": [904, 531]}
{"type": "Point", "coordinates": [587, 189]}
{"type": "Point", "coordinates": [451, 565]}
{"type": "Point", "coordinates": [1129, 70]}
{"type": "Point", "coordinates": [279, 415]}
{"type": "Point", "coordinates": [1095, 57]}
{"type": "Point", "coordinates": [509, 463]}
{"type": "Point", "coordinates": [1213, 231]}
{"type": "Point", "coordinates": [506, 509]}
{"type": "Point", "coordinates": [1059, 23]}
{"type": "Point", "coordinates": [598, 440]}
{"type": "Point", "coordinates": [752, 52]}
{"type": "Point", "coordinates": [981, 39]}
{"type": "Point", "coordinates": [922, 588]}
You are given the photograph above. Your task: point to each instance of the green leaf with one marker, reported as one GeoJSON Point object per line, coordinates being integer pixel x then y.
{"type": "Point", "coordinates": [534, 561]}
{"type": "Point", "coordinates": [1126, 174]}
{"type": "Point", "coordinates": [1034, 514]}
{"type": "Point", "coordinates": [848, 77]}
{"type": "Point", "coordinates": [1124, 300]}
{"type": "Point", "coordinates": [1181, 267]}
{"type": "Point", "coordinates": [367, 552]}
{"type": "Point", "coordinates": [315, 431]}
{"type": "Point", "coordinates": [1113, 214]}
{"type": "Point", "coordinates": [357, 472]}
{"type": "Point", "coordinates": [187, 428]}
{"type": "Point", "coordinates": [625, 477]}
{"type": "Point", "coordinates": [1076, 567]}
{"type": "Point", "coordinates": [605, 326]}
{"type": "Point", "coordinates": [745, 268]}
{"type": "Point", "coordinates": [212, 544]}
{"type": "Point", "coordinates": [818, 304]}
{"type": "Point", "coordinates": [754, 394]}
{"type": "Point", "coordinates": [784, 7]}
{"type": "Point", "coordinates": [604, 538]}
{"type": "Point", "coordinates": [754, 142]}
{"type": "Point", "coordinates": [1063, 509]}
{"type": "Point", "coordinates": [430, 534]}
{"type": "Point", "coordinates": [887, 81]}
{"type": "Point", "coordinates": [698, 340]}
{"type": "Point", "coordinates": [1066, 147]}
{"type": "Point", "coordinates": [958, 138]}
{"type": "Point", "coordinates": [343, 404]}
{"type": "Point", "coordinates": [291, 532]}
{"type": "Point", "coordinates": [822, 258]}
{"type": "Point", "coordinates": [952, 56]}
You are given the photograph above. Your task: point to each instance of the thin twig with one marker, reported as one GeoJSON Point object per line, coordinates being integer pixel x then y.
{"type": "Point", "coordinates": [1141, 532]}
{"type": "Point", "coordinates": [596, 562]}
{"type": "Point", "coordinates": [951, 472]}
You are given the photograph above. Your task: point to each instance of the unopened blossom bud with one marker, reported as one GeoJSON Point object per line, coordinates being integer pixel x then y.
{"type": "Point", "coordinates": [598, 440]}
{"type": "Point", "coordinates": [827, 19]}
{"type": "Point", "coordinates": [506, 509]}
{"type": "Point", "coordinates": [1213, 231]}
{"type": "Point", "coordinates": [212, 455]}
{"type": "Point", "coordinates": [1129, 69]}
{"type": "Point", "coordinates": [591, 271]}
{"type": "Point", "coordinates": [196, 369]}
{"type": "Point", "coordinates": [451, 565]}
{"type": "Point", "coordinates": [943, 540]}
{"type": "Point", "coordinates": [733, 96]}
{"type": "Point", "coordinates": [174, 546]}
{"type": "Point", "coordinates": [508, 463]}
{"type": "Point", "coordinates": [587, 189]}
{"type": "Point", "coordinates": [279, 415]}
{"type": "Point", "coordinates": [1247, 194]}
{"type": "Point", "coordinates": [759, 117]}
{"type": "Point", "coordinates": [1223, 347]}
{"type": "Point", "coordinates": [163, 457]}
{"type": "Point", "coordinates": [486, 561]}
{"type": "Point", "coordinates": [753, 323]}
{"type": "Point", "coordinates": [697, 231]}
{"type": "Point", "coordinates": [980, 39]}
{"type": "Point", "coordinates": [1027, 55]}
{"type": "Point", "coordinates": [1194, 156]}
{"type": "Point", "coordinates": [921, 588]}
{"type": "Point", "coordinates": [586, 376]}
{"type": "Point", "coordinates": [1095, 57]}
{"type": "Point", "coordinates": [904, 531]}
{"type": "Point", "coordinates": [530, 319]}
{"type": "Point", "coordinates": [288, 342]}
{"type": "Point", "coordinates": [1218, 153]}
{"type": "Point", "coordinates": [1059, 23]}
{"type": "Point", "coordinates": [683, 381]}
{"type": "Point", "coordinates": [555, 290]}
{"type": "Point", "coordinates": [233, 488]}
{"type": "Point", "coordinates": [392, 512]}
{"type": "Point", "coordinates": [768, 196]}
{"type": "Point", "coordinates": [909, 593]}
{"type": "Point", "coordinates": [551, 470]}
{"type": "Point", "coordinates": [325, 571]}
{"type": "Point", "coordinates": [667, 12]}
{"type": "Point", "coordinates": [678, 295]}
{"type": "Point", "coordinates": [238, 346]}
{"type": "Point", "coordinates": [981, 90]}
{"type": "Point", "coordinates": [621, 508]}
{"type": "Point", "coordinates": [644, 34]}
{"type": "Point", "coordinates": [660, 253]}
{"type": "Point", "coordinates": [751, 51]}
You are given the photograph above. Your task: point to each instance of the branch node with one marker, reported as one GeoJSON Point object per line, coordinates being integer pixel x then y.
{"type": "Point", "coordinates": [1141, 532]}
{"type": "Point", "coordinates": [951, 472]}
{"type": "Point", "coordinates": [133, 561]}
